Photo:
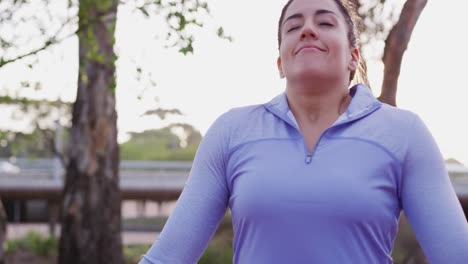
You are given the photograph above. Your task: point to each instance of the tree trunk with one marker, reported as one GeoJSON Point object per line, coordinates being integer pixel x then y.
{"type": "Point", "coordinates": [91, 224]}
{"type": "Point", "coordinates": [395, 46]}
{"type": "Point", "coordinates": [356, 3]}
{"type": "Point", "coordinates": [3, 224]}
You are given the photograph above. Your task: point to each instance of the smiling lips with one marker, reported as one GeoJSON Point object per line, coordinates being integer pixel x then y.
{"type": "Point", "coordinates": [309, 48]}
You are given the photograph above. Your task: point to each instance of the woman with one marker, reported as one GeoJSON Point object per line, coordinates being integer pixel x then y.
{"type": "Point", "coordinates": [321, 173]}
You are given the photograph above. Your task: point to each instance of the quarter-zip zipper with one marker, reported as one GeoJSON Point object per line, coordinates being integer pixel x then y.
{"type": "Point", "coordinates": [310, 154]}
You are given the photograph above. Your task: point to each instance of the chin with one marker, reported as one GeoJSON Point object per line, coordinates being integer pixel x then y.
{"type": "Point", "coordinates": [310, 73]}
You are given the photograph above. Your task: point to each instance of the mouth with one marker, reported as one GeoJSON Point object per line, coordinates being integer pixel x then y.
{"type": "Point", "coordinates": [309, 48]}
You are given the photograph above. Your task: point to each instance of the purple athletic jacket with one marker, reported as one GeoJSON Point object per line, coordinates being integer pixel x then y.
{"type": "Point", "coordinates": [338, 204]}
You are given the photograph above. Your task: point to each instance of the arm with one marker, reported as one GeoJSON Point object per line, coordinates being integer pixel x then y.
{"type": "Point", "coordinates": [200, 206]}
{"type": "Point", "coordinates": [429, 201]}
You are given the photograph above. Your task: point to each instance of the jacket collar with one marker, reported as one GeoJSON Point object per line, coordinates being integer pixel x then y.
{"type": "Point", "coordinates": [362, 104]}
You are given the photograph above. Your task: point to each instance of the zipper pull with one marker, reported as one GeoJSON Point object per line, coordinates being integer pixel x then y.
{"type": "Point", "coordinates": [308, 158]}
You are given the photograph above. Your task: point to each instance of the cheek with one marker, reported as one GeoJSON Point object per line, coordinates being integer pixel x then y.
{"type": "Point", "coordinates": [339, 50]}
{"type": "Point", "coordinates": [284, 54]}
{"type": "Point", "coordinates": [286, 49]}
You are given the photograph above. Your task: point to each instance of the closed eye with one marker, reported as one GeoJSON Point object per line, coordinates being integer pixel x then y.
{"type": "Point", "coordinates": [293, 28]}
{"type": "Point", "coordinates": [326, 24]}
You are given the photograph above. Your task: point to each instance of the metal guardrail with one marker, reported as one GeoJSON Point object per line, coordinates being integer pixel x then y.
{"type": "Point", "coordinates": [48, 165]}
{"type": "Point", "coordinates": [148, 180]}
{"type": "Point", "coordinates": [139, 180]}
{"type": "Point", "coordinates": [34, 179]}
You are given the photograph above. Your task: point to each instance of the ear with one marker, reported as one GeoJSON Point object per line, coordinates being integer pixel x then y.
{"type": "Point", "coordinates": [280, 67]}
{"type": "Point", "coordinates": [354, 62]}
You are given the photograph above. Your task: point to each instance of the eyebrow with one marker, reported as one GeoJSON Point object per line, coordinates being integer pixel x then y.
{"type": "Point", "coordinates": [300, 15]}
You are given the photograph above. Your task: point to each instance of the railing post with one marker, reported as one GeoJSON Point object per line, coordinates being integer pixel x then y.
{"type": "Point", "coordinates": [58, 147]}
{"type": "Point", "coordinates": [17, 211]}
{"type": "Point", "coordinates": [53, 208]}
{"type": "Point", "coordinates": [3, 226]}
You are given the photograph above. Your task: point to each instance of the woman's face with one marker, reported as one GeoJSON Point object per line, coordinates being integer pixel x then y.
{"type": "Point", "coordinates": [315, 42]}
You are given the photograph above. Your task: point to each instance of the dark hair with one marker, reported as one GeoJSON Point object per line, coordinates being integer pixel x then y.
{"type": "Point", "coordinates": [354, 23]}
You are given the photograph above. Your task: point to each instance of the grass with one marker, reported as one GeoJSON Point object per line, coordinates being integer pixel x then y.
{"type": "Point", "coordinates": [35, 243]}
{"type": "Point", "coordinates": [133, 253]}
{"type": "Point", "coordinates": [219, 250]}
{"type": "Point", "coordinates": [42, 246]}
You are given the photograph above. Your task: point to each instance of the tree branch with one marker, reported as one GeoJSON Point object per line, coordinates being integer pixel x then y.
{"type": "Point", "coordinates": [396, 45]}
{"type": "Point", "coordinates": [51, 41]}
{"type": "Point", "coordinates": [8, 100]}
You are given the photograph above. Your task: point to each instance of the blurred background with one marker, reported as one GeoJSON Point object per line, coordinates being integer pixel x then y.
{"type": "Point", "coordinates": [118, 94]}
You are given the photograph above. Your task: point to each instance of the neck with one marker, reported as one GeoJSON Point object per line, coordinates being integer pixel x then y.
{"type": "Point", "coordinates": [317, 102]}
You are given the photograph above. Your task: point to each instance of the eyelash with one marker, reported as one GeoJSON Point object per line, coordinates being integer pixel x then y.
{"type": "Point", "coordinates": [293, 28]}
{"type": "Point", "coordinates": [320, 24]}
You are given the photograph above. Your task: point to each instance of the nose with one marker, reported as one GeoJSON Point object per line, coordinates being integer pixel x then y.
{"type": "Point", "coordinates": [308, 32]}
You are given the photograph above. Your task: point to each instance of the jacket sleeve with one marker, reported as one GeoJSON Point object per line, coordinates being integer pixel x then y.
{"type": "Point", "coordinates": [200, 207]}
{"type": "Point", "coordinates": [429, 200]}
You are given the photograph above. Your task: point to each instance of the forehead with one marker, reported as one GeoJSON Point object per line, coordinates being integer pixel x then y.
{"type": "Point", "coordinates": [309, 7]}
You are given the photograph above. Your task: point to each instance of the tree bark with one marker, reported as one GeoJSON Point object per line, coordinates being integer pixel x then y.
{"type": "Point", "coordinates": [91, 224]}
{"type": "Point", "coordinates": [396, 45]}
{"type": "Point", "coordinates": [356, 3]}
{"type": "Point", "coordinates": [3, 224]}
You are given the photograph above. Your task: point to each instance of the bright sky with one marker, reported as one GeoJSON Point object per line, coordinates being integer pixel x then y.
{"type": "Point", "coordinates": [221, 75]}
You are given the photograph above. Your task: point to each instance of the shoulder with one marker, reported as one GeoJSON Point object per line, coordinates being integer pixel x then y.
{"type": "Point", "coordinates": [238, 116]}
{"type": "Point", "coordinates": [395, 117]}
{"type": "Point", "coordinates": [386, 123]}
{"type": "Point", "coordinates": [249, 124]}
{"type": "Point", "coordinates": [231, 123]}
{"type": "Point", "coordinates": [389, 127]}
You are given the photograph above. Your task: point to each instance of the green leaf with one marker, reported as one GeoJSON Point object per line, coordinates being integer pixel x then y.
{"type": "Point", "coordinates": [37, 86]}
{"type": "Point", "coordinates": [187, 49]}
{"type": "Point", "coordinates": [25, 84]}
{"type": "Point", "coordinates": [144, 11]}
{"type": "Point", "coordinates": [220, 32]}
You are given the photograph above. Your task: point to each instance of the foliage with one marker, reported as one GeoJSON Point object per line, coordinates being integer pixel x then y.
{"type": "Point", "coordinates": [181, 17]}
{"type": "Point", "coordinates": [133, 253]}
{"type": "Point", "coordinates": [41, 113]}
{"type": "Point", "coordinates": [162, 144]}
{"type": "Point", "coordinates": [219, 251]}
{"type": "Point", "coordinates": [42, 116]}
{"type": "Point", "coordinates": [378, 18]}
{"type": "Point", "coordinates": [36, 243]}
{"type": "Point", "coordinates": [158, 144]}
{"type": "Point", "coordinates": [407, 248]}
{"type": "Point", "coordinates": [59, 22]}
{"type": "Point", "coordinates": [217, 255]}
{"type": "Point", "coordinates": [37, 144]}
{"type": "Point", "coordinates": [162, 113]}
{"type": "Point", "coordinates": [48, 24]}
